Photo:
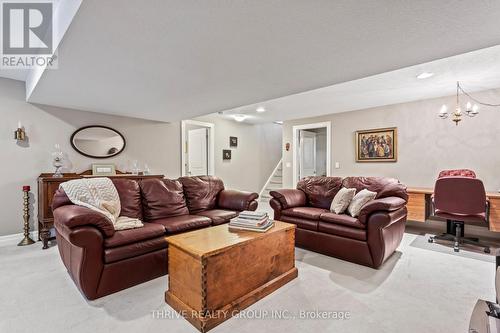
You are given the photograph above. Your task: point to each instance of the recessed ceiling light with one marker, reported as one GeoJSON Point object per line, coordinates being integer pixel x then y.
{"type": "Point", "coordinates": [425, 75]}
{"type": "Point", "coordinates": [260, 109]}
{"type": "Point", "coordinates": [279, 122]}
{"type": "Point", "coordinates": [240, 117]}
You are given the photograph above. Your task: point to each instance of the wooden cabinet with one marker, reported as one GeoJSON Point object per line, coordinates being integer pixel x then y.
{"type": "Point", "coordinates": [47, 187]}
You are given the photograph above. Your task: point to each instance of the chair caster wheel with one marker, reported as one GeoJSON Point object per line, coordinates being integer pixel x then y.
{"type": "Point", "coordinates": [487, 250]}
{"type": "Point", "coordinates": [456, 250]}
{"type": "Point", "coordinates": [430, 240]}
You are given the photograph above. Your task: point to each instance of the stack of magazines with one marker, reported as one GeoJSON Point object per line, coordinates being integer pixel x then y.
{"type": "Point", "coordinates": [251, 221]}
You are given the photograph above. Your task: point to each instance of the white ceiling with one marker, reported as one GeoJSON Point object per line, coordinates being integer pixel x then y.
{"type": "Point", "coordinates": [477, 71]}
{"type": "Point", "coordinates": [177, 59]}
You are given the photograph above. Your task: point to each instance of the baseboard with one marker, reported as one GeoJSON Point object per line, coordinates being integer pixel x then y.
{"type": "Point", "coordinates": [19, 236]}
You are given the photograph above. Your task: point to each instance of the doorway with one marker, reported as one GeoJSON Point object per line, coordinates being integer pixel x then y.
{"type": "Point", "coordinates": [311, 153]}
{"type": "Point", "coordinates": [197, 157]}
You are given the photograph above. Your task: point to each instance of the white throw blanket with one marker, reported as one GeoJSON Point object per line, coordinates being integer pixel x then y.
{"type": "Point", "coordinates": [100, 195]}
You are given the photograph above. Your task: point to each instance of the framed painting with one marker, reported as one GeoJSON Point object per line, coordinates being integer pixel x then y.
{"type": "Point", "coordinates": [226, 154]}
{"type": "Point", "coordinates": [233, 141]}
{"type": "Point", "coordinates": [377, 145]}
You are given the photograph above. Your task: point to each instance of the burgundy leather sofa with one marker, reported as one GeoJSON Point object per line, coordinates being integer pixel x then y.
{"type": "Point", "coordinates": [102, 261]}
{"type": "Point", "coordinates": [368, 239]}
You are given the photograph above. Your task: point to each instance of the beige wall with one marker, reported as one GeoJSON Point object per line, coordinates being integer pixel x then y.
{"type": "Point", "coordinates": [154, 143]}
{"type": "Point", "coordinates": [257, 154]}
{"type": "Point", "coordinates": [148, 142]}
{"type": "Point", "coordinates": [427, 144]}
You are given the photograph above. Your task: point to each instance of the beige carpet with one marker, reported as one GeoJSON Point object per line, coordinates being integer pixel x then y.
{"type": "Point", "coordinates": [417, 290]}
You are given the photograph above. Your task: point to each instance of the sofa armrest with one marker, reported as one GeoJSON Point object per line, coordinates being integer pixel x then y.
{"type": "Point", "coordinates": [237, 200]}
{"type": "Point", "coordinates": [72, 216]}
{"type": "Point", "coordinates": [289, 198]}
{"type": "Point", "coordinates": [387, 204]}
{"type": "Point", "coordinates": [81, 250]}
{"type": "Point", "coordinates": [385, 231]}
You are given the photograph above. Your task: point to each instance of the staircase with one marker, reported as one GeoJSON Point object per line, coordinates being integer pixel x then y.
{"type": "Point", "coordinates": [274, 182]}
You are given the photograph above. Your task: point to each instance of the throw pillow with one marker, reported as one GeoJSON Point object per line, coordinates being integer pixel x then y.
{"type": "Point", "coordinates": [359, 200]}
{"type": "Point", "coordinates": [342, 200]}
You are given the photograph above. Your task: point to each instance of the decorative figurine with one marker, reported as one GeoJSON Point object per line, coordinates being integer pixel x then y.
{"type": "Point", "coordinates": [26, 216]}
{"type": "Point", "coordinates": [57, 158]}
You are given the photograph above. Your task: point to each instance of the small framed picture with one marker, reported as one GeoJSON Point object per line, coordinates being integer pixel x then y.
{"type": "Point", "coordinates": [103, 170]}
{"type": "Point", "coordinates": [226, 154]}
{"type": "Point", "coordinates": [233, 141]}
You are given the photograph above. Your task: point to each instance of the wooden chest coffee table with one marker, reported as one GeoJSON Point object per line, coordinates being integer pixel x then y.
{"type": "Point", "coordinates": [214, 272]}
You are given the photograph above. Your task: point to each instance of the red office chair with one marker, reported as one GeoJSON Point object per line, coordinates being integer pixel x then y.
{"type": "Point", "coordinates": [460, 200]}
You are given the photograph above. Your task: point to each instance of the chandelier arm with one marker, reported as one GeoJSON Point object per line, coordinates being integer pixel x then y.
{"type": "Point", "coordinates": [475, 100]}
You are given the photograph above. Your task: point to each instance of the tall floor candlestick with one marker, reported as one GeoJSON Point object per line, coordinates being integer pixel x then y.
{"type": "Point", "coordinates": [26, 216]}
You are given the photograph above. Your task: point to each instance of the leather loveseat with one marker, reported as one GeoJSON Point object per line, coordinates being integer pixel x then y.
{"type": "Point", "coordinates": [102, 261]}
{"type": "Point", "coordinates": [368, 239]}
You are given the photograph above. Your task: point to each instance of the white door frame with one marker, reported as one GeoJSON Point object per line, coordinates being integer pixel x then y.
{"type": "Point", "coordinates": [303, 134]}
{"type": "Point", "coordinates": [295, 146]}
{"type": "Point", "coordinates": [211, 144]}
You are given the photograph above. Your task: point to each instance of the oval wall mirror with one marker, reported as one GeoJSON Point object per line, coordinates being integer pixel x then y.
{"type": "Point", "coordinates": [98, 141]}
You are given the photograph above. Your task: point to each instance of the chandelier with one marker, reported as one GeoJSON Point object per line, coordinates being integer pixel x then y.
{"type": "Point", "coordinates": [471, 110]}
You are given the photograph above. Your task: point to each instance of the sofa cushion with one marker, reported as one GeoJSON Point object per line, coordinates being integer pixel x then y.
{"type": "Point", "coordinates": [374, 184]}
{"type": "Point", "coordinates": [342, 200]}
{"type": "Point", "coordinates": [359, 200]}
{"type": "Point", "coordinates": [311, 213]}
{"type": "Point", "coordinates": [342, 219]}
{"type": "Point", "coordinates": [183, 223]}
{"type": "Point", "coordinates": [301, 223]}
{"type": "Point", "coordinates": [135, 249]}
{"type": "Point", "coordinates": [124, 237]}
{"type": "Point", "coordinates": [218, 216]}
{"type": "Point", "coordinates": [340, 230]}
{"type": "Point", "coordinates": [129, 192]}
{"type": "Point", "coordinates": [201, 192]}
{"type": "Point", "coordinates": [162, 198]}
{"type": "Point", "coordinates": [320, 191]}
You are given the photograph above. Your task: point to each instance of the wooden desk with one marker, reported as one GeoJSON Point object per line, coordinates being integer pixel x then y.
{"type": "Point", "coordinates": [420, 206]}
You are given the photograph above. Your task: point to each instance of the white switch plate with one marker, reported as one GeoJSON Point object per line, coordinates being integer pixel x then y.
{"type": "Point", "coordinates": [288, 164]}
{"type": "Point", "coordinates": [337, 165]}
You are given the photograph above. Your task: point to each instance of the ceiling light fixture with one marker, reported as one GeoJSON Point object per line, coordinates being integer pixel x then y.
{"type": "Point", "coordinates": [425, 75]}
{"type": "Point", "coordinates": [260, 109]}
{"type": "Point", "coordinates": [471, 110]}
{"type": "Point", "coordinates": [240, 117]}
{"type": "Point", "coordinates": [279, 122]}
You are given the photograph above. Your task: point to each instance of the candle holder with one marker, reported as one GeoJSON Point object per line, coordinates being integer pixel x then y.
{"type": "Point", "coordinates": [26, 216]}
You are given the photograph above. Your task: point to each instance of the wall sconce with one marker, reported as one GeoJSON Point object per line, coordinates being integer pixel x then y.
{"type": "Point", "coordinates": [20, 134]}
